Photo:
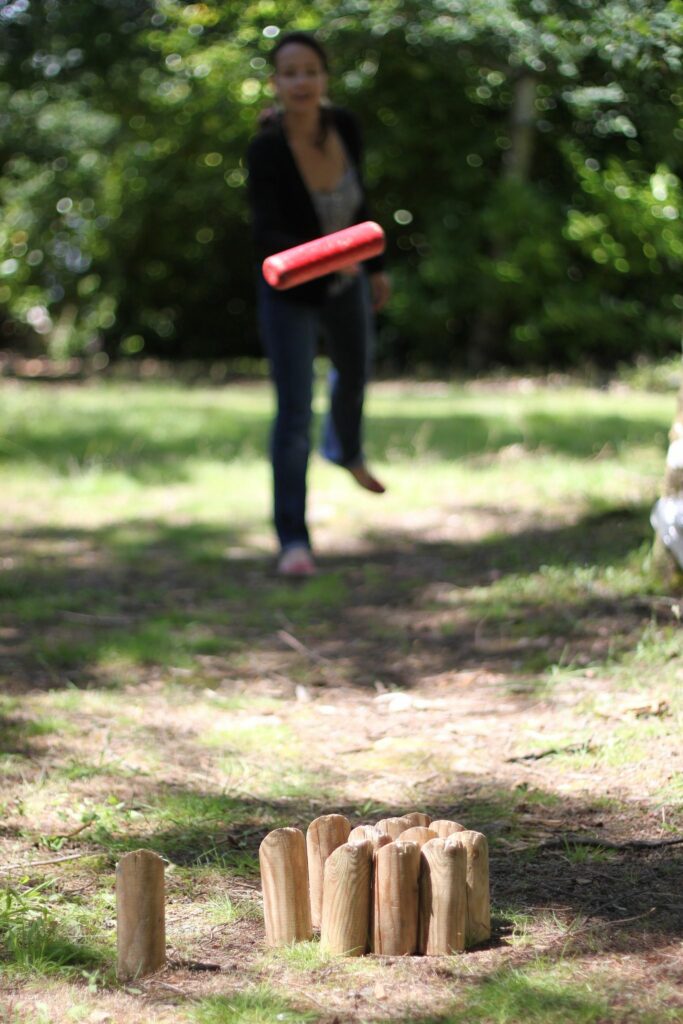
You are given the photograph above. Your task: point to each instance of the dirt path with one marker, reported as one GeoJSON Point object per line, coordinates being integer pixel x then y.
{"type": "Point", "coordinates": [415, 694]}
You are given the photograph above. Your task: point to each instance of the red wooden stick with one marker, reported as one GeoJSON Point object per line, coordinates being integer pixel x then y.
{"type": "Point", "coordinates": [323, 255]}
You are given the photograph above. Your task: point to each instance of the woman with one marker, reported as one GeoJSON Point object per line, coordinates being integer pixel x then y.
{"type": "Point", "coordinates": [305, 181]}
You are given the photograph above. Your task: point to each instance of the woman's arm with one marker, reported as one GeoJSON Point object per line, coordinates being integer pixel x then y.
{"type": "Point", "coordinates": [271, 234]}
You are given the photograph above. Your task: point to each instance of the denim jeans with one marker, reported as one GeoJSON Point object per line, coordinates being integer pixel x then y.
{"type": "Point", "coordinates": [290, 332]}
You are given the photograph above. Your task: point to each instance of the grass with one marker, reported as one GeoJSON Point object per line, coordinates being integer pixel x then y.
{"type": "Point", "coordinates": [258, 1006]}
{"type": "Point", "coordinates": [541, 994]}
{"type": "Point", "coordinates": [153, 696]}
{"type": "Point", "coordinates": [43, 933]}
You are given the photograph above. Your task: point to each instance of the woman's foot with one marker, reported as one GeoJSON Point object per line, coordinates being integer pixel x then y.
{"type": "Point", "coordinates": [296, 561]}
{"type": "Point", "coordinates": [364, 477]}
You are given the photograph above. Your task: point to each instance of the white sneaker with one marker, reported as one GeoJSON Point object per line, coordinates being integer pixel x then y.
{"type": "Point", "coordinates": [296, 561]}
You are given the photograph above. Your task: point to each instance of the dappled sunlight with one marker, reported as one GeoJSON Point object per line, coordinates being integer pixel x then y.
{"type": "Point", "coordinates": [485, 642]}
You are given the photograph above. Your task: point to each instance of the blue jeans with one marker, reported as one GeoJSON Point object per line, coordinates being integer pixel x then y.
{"type": "Point", "coordinates": [290, 332]}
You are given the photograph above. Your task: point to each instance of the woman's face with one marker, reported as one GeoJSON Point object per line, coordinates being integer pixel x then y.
{"type": "Point", "coordinates": [300, 79]}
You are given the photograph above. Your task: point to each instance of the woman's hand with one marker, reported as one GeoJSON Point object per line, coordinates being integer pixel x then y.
{"type": "Point", "coordinates": [380, 290]}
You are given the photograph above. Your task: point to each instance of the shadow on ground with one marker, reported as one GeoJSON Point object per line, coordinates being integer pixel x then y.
{"type": "Point", "coordinates": [618, 892]}
{"type": "Point", "coordinates": [97, 436]}
{"type": "Point", "coordinates": [76, 602]}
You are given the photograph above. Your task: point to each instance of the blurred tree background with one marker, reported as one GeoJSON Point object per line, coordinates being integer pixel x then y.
{"type": "Point", "coordinates": [524, 157]}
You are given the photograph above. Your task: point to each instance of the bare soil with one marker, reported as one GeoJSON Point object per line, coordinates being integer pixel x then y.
{"type": "Point", "coordinates": [435, 710]}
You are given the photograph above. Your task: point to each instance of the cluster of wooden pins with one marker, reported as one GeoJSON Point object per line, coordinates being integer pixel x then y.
{"type": "Point", "coordinates": [401, 886]}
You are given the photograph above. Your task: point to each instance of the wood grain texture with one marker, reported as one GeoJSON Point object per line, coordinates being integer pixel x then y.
{"type": "Point", "coordinates": [393, 826]}
{"type": "Point", "coordinates": [361, 833]}
{"type": "Point", "coordinates": [418, 818]}
{"type": "Point", "coordinates": [140, 914]}
{"type": "Point", "coordinates": [478, 927]}
{"type": "Point", "coordinates": [324, 835]}
{"type": "Point", "coordinates": [445, 828]}
{"type": "Point", "coordinates": [346, 899]}
{"type": "Point", "coordinates": [443, 897]}
{"type": "Point", "coordinates": [417, 834]}
{"type": "Point", "coordinates": [284, 879]}
{"type": "Point", "coordinates": [395, 899]}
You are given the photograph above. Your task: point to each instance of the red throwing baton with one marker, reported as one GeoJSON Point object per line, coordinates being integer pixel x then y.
{"type": "Point", "coordinates": [323, 255]}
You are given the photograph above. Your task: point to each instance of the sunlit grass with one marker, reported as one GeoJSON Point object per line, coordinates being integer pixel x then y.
{"type": "Point", "coordinates": [43, 932]}
{"type": "Point", "coordinates": [543, 993]}
{"type": "Point", "coordinates": [139, 590]}
{"type": "Point", "coordinates": [160, 448]}
{"type": "Point", "coordinates": [258, 1005]}
{"type": "Point", "coordinates": [223, 910]}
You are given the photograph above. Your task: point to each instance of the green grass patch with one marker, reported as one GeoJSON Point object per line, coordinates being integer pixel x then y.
{"type": "Point", "coordinates": [547, 992]}
{"type": "Point", "coordinates": [259, 1005]}
{"type": "Point", "coordinates": [540, 994]}
{"type": "Point", "coordinates": [142, 618]}
{"type": "Point", "coordinates": [224, 910]}
{"type": "Point", "coordinates": [43, 933]}
{"type": "Point", "coordinates": [28, 727]}
{"type": "Point", "coordinates": [300, 956]}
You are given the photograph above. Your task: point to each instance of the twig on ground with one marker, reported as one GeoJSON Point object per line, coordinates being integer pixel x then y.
{"type": "Point", "coordinates": [192, 965]}
{"type": "Point", "coordinates": [619, 920]}
{"type": "Point", "coordinates": [300, 648]}
{"type": "Point", "coordinates": [76, 831]}
{"type": "Point", "coordinates": [607, 844]}
{"type": "Point", "coordinates": [172, 988]}
{"type": "Point", "coordinates": [326, 666]}
{"type": "Point", "coordinates": [98, 620]}
{"type": "Point", "coordinates": [585, 925]}
{"type": "Point", "coordinates": [576, 748]}
{"type": "Point", "coordinates": [42, 863]}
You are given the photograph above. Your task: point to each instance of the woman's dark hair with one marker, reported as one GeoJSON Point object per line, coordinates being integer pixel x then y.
{"type": "Point", "coordinates": [304, 39]}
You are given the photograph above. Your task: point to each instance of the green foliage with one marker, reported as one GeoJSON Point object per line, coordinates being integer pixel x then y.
{"type": "Point", "coordinates": [521, 155]}
{"type": "Point", "coordinates": [33, 936]}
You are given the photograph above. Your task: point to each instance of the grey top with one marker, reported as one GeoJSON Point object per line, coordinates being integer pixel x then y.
{"type": "Point", "coordinates": [335, 209]}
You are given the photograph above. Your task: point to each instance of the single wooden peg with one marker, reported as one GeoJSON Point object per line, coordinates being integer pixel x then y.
{"type": "Point", "coordinates": [445, 828]}
{"type": "Point", "coordinates": [418, 818]}
{"type": "Point", "coordinates": [140, 914]}
{"type": "Point", "coordinates": [324, 835]}
{"type": "Point", "coordinates": [284, 879]}
{"type": "Point", "coordinates": [361, 833]}
{"type": "Point", "coordinates": [417, 834]}
{"type": "Point", "coordinates": [346, 899]}
{"type": "Point", "coordinates": [478, 928]}
{"type": "Point", "coordinates": [443, 897]}
{"type": "Point", "coordinates": [395, 890]}
{"type": "Point", "coordinates": [394, 826]}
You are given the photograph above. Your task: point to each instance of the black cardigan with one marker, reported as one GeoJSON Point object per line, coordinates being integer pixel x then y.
{"type": "Point", "coordinates": [282, 210]}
